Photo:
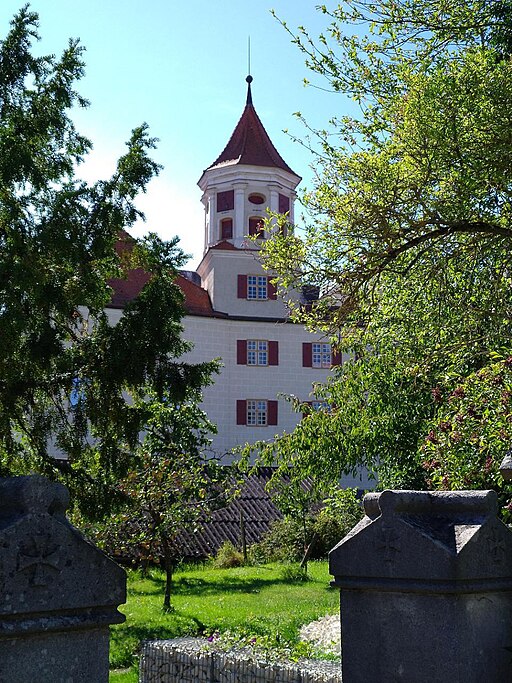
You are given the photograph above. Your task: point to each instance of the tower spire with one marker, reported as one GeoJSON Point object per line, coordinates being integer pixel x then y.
{"type": "Point", "coordinates": [249, 94]}
{"type": "Point", "coordinates": [249, 77]}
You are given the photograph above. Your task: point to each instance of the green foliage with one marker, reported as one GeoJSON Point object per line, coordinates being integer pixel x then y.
{"type": "Point", "coordinates": [410, 227]}
{"type": "Point", "coordinates": [228, 557]}
{"type": "Point", "coordinates": [284, 542]}
{"type": "Point", "coordinates": [325, 527]}
{"type": "Point", "coordinates": [472, 432]}
{"type": "Point", "coordinates": [294, 573]}
{"type": "Point", "coordinates": [339, 515]}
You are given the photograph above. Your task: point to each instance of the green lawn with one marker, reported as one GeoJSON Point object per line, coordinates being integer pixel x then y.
{"type": "Point", "coordinates": [257, 600]}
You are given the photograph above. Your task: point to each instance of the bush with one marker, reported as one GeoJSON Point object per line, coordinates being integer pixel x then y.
{"type": "Point", "coordinates": [284, 542]}
{"type": "Point", "coordinates": [228, 557]}
{"type": "Point", "coordinates": [293, 573]}
{"type": "Point", "coordinates": [341, 512]}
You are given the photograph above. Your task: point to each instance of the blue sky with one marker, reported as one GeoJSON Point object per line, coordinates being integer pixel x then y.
{"type": "Point", "coordinates": [181, 67]}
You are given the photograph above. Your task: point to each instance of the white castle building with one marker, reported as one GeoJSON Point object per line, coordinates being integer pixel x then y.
{"type": "Point", "coordinates": [233, 312]}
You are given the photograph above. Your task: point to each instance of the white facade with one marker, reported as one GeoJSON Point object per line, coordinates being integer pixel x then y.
{"type": "Point", "coordinates": [247, 400]}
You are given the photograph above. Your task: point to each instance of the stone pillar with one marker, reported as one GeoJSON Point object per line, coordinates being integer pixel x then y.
{"type": "Point", "coordinates": [58, 593]}
{"type": "Point", "coordinates": [240, 229]}
{"type": "Point", "coordinates": [426, 590]}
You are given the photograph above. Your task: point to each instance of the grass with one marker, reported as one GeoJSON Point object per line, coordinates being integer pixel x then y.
{"type": "Point", "coordinates": [257, 600]}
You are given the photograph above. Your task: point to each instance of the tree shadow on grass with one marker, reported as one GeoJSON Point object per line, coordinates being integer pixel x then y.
{"type": "Point", "coordinates": [192, 586]}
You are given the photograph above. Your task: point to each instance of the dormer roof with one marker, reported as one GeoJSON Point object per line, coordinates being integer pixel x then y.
{"type": "Point", "coordinates": [250, 144]}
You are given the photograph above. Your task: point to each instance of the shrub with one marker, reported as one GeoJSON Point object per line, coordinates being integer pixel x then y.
{"type": "Point", "coordinates": [228, 557]}
{"type": "Point", "coordinates": [293, 573]}
{"type": "Point", "coordinates": [284, 542]}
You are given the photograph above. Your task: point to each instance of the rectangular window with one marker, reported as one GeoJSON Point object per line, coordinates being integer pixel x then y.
{"type": "Point", "coordinates": [320, 405]}
{"type": "Point", "coordinates": [321, 355]}
{"type": "Point", "coordinates": [257, 352]}
{"type": "Point", "coordinates": [257, 413]}
{"type": "Point", "coordinates": [226, 200]}
{"type": "Point", "coordinates": [257, 287]}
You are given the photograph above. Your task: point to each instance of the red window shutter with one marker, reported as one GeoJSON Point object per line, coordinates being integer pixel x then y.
{"type": "Point", "coordinates": [226, 200]}
{"type": "Point", "coordinates": [242, 286]}
{"type": "Point", "coordinates": [336, 357]}
{"type": "Point", "coordinates": [241, 351]}
{"type": "Point", "coordinates": [307, 355]}
{"type": "Point", "coordinates": [272, 413]}
{"type": "Point", "coordinates": [271, 290]}
{"type": "Point", "coordinates": [241, 412]}
{"type": "Point", "coordinates": [273, 353]}
{"type": "Point", "coordinates": [284, 203]}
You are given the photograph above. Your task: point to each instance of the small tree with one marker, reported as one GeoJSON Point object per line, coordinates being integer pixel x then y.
{"type": "Point", "coordinates": [173, 484]}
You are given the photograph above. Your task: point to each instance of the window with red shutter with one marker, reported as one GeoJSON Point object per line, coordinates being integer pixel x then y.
{"type": "Point", "coordinates": [273, 353]}
{"type": "Point", "coordinates": [226, 200]}
{"type": "Point", "coordinates": [272, 413]}
{"type": "Point", "coordinates": [241, 412]}
{"type": "Point", "coordinates": [241, 352]}
{"type": "Point", "coordinates": [307, 355]}
{"type": "Point", "coordinates": [242, 287]}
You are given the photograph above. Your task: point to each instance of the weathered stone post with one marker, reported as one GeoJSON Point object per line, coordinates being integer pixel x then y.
{"type": "Point", "coordinates": [58, 592]}
{"type": "Point", "coordinates": [426, 590]}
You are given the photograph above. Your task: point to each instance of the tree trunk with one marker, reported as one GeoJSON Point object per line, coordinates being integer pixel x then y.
{"type": "Point", "coordinates": [304, 563]}
{"type": "Point", "coordinates": [169, 570]}
{"type": "Point", "coordinates": [309, 549]}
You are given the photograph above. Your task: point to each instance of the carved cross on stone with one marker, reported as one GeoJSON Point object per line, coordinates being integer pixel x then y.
{"type": "Point", "coordinates": [38, 556]}
{"type": "Point", "coordinates": [388, 543]}
{"type": "Point", "coordinates": [495, 546]}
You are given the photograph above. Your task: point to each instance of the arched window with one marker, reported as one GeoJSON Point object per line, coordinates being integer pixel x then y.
{"type": "Point", "coordinates": [226, 229]}
{"type": "Point", "coordinates": [257, 228]}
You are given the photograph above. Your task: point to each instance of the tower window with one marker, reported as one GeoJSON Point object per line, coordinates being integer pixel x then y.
{"type": "Point", "coordinates": [284, 203]}
{"type": "Point", "coordinates": [256, 228]}
{"type": "Point", "coordinates": [226, 229]}
{"type": "Point", "coordinates": [257, 287]}
{"type": "Point", "coordinates": [226, 200]}
{"type": "Point", "coordinates": [255, 198]}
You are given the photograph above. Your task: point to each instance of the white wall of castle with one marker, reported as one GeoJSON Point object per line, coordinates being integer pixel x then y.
{"type": "Point", "coordinates": [217, 338]}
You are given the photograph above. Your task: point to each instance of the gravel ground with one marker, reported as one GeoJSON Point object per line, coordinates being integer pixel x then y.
{"type": "Point", "coordinates": [324, 633]}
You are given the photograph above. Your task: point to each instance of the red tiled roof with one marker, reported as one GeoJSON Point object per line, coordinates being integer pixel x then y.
{"type": "Point", "coordinates": [224, 244]}
{"type": "Point", "coordinates": [196, 302]}
{"type": "Point", "coordinates": [250, 144]}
